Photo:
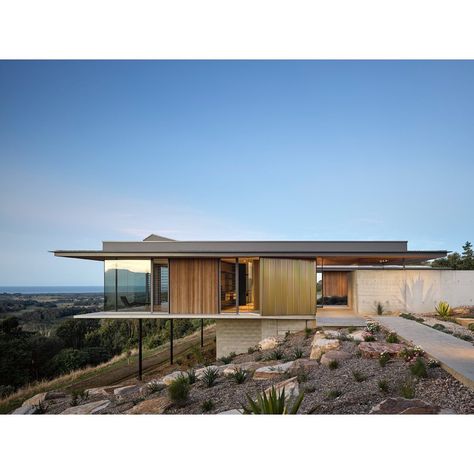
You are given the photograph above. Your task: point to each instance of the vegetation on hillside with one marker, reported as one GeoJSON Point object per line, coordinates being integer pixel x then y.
{"type": "Point", "coordinates": [457, 261]}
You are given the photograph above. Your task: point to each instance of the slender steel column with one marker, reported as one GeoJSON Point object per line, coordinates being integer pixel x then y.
{"type": "Point", "coordinates": [140, 349]}
{"type": "Point", "coordinates": [171, 341]}
{"type": "Point", "coordinates": [202, 332]}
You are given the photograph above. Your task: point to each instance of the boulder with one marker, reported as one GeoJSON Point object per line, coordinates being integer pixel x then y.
{"type": "Point", "coordinates": [154, 406]}
{"type": "Point", "coordinates": [320, 346]}
{"type": "Point", "coordinates": [373, 350]}
{"type": "Point", "coordinates": [334, 355]}
{"type": "Point", "coordinates": [200, 372]}
{"type": "Point", "coordinates": [98, 391]}
{"type": "Point", "coordinates": [359, 336]}
{"type": "Point", "coordinates": [167, 379]}
{"type": "Point", "coordinates": [234, 411]}
{"type": "Point", "coordinates": [87, 409]}
{"type": "Point", "coordinates": [291, 387]}
{"type": "Point", "coordinates": [25, 410]}
{"type": "Point", "coordinates": [247, 366]}
{"type": "Point", "coordinates": [303, 364]}
{"type": "Point", "coordinates": [398, 405]}
{"type": "Point", "coordinates": [121, 392]}
{"type": "Point", "coordinates": [35, 400]}
{"type": "Point", "coordinates": [271, 371]}
{"type": "Point", "coordinates": [145, 389]}
{"type": "Point", "coordinates": [269, 343]}
{"type": "Point", "coordinates": [332, 334]}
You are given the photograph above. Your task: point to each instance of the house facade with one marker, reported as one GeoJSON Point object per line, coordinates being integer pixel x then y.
{"type": "Point", "coordinates": [256, 289]}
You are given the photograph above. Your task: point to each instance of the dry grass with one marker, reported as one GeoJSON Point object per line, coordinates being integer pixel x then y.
{"type": "Point", "coordinates": [14, 400]}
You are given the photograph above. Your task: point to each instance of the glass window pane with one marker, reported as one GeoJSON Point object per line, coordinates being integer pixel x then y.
{"type": "Point", "coordinates": [133, 285]}
{"type": "Point", "coordinates": [228, 285]}
{"type": "Point", "coordinates": [161, 286]}
{"type": "Point", "coordinates": [110, 303]}
{"type": "Point", "coordinates": [248, 285]}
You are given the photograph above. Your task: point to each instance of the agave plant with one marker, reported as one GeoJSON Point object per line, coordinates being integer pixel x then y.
{"type": "Point", "coordinates": [443, 309]}
{"type": "Point", "coordinates": [272, 404]}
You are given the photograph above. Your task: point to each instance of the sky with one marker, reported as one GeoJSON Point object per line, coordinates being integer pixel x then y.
{"type": "Point", "coordinates": [229, 150]}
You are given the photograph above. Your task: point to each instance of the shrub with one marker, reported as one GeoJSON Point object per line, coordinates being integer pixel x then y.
{"type": "Point", "coordinates": [307, 333]}
{"type": "Point", "coordinates": [79, 395]}
{"type": "Point", "coordinates": [470, 326]}
{"type": "Point", "coordinates": [383, 385]}
{"type": "Point", "coordinates": [179, 361]}
{"type": "Point", "coordinates": [372, 327]}
{"type": "Point", "coordinates": [443, 309]}
{"type": "Point", "coordinates": [207, 406]}
{"type": "Point", "coordinates": [272, 404]}
{"type": "Point", "coordinates": [277, 354]}
{"type": "Point", "coordinates": [464, 337]}
{"type": "Point", "coordinates": [409, 354]}
{"type": "Point", "coordinates": [369, 338]}
{"type": "Point", "coordinates": [433, 363]}
{"type": "Point", "coordinates": [226, 359]}
{"type": "Point", "coordinates": [287, 335]}
{"type": "Point", "coordinates": [392, 337]}
{"type": "Point", "coordinates": [210, 376]}
{"type": "Point", "coordinates": [251, 350]}
{"type": "Point", "coordinates": [379, 308]}
{"type": "Point", "coordinates": [197, 354]}
{"type": "Point", "coordinates": [411, 317]}
{"type": "Point", "coordinates": [384, 358]}
{"type": "Point", "coordinates": [332, 394]}
{"type": "Point", "coordinates": [258, 357]}
{"type": "Point", "coordinates": [191, 373]}
{"type": "Point", "coordinates": [418, 369]}
{"type": "Point", "coordinates": [178, 390]}
{"type": "Point", "coordinates": [333, 364]}
{"type": "Point", "coordinates": [239, 376]}
{"type": "Point", "coordinates": [298, 353]}
{"type": "Point", "coordinates": [439, 327]}
{"type": "Point", "coordinates": [302, 375]}
{"type": "Point", "coordinates": [358, 376]}
{"type": "Point", "coordinates": [351, 329]}
{"type": "Point", "coordinates": [407, 390]}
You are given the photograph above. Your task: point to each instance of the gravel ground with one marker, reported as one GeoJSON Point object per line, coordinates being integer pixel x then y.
{"type": "Point", "coordinates": [353, 397]}
{"type": "Point", "coordinates": [456, 328]}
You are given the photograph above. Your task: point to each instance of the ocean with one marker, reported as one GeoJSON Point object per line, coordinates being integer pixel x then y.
{"type": "Point", "coordinates": [36, 290]}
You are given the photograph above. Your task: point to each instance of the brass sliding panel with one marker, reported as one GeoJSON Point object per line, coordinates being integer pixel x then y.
{"type": "Point", "coordinates": [288, 286]}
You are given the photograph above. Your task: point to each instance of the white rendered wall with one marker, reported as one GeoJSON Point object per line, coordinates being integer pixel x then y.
{"type": "Point", "coordinates": [416, 291]}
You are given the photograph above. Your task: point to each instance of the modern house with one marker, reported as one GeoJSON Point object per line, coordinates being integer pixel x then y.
{"type": "Point", "coordinates": [256, 289]}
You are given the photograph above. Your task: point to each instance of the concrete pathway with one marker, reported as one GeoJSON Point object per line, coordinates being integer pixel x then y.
{"type": "Point", "coordinates": [455, 355]}
{"type": "Point", "coordinates": [338, 318]}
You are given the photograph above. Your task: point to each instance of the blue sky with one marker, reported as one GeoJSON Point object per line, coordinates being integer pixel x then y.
{"type": "Point", "coordinates": [250, 150]}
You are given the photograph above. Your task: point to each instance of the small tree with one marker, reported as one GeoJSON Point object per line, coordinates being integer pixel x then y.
{"type": "Point", "coordinates": [467, 256]}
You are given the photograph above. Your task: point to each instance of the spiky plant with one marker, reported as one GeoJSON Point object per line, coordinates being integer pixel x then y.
{"type": "Point", "coordinates": [210, 376]}
{"type": "Point", "coordinates": [178, 390]}
{"type": "Point", "coordinates": [272, 404]}
{"type": "Point", "coordinates": [298, 353]}
{"type": "Point", "coordinates": [207, 406]}
{"type": "Point", "coordinates": [443, 309]}
{"type": "Point", "coordinates": [239, 375]}
{"type": "Point", "coordinates": [277, 354]}
{"type": "Point", "coordinates": [191, 373]}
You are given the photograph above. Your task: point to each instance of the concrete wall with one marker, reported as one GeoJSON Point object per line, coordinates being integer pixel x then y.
{"type": "Point", "coordinates": [415, 291]}
{"type": "Point", "coordinates": [237, 335]}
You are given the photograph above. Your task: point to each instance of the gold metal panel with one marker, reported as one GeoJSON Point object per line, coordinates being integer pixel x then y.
{"type": "Point", "coordinates": [288, 286]}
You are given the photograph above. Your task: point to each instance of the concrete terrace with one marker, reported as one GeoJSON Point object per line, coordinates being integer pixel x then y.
{"type": "Point", "coordinates": [455, 355]}
{"type": "Point", "coordinates": [338, 317]}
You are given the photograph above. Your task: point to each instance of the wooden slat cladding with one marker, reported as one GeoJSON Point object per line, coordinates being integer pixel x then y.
{"type": "Point", "coordinates": [335, 283]}
{"type": "Point", "coordinates": [288, 286]}
{"type": "Point", "coordinates": [193, 285]}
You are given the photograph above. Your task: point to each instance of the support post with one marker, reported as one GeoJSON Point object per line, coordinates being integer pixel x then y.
{"type": "Point", "coordinates": [140, 349]}
{"type": "Point", "coordinates": [202, 332]}
{"type": "Point", "coordinates": [171, 341]}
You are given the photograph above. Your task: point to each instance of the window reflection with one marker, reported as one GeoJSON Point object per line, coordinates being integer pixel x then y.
{"type": "Point", "coordinates": [161, 286]}
{"type": "Point", "coordinates": [127, 285]}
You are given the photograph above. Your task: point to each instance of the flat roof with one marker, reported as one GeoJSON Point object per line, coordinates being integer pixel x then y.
{"type": "Point", "coordinates": [343, 252]}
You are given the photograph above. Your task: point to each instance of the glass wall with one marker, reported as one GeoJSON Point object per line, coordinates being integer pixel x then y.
{"type": "Point", "coordinates": [228, 290]}
{"type": "Point", "coordinates": [248, 284]}
{"type": "Point", "coordinates": [127, 285]}
{"type": "Point", "coordinates": [161, 286]}
{"type": "Point", "coordinates": [239, 280]}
